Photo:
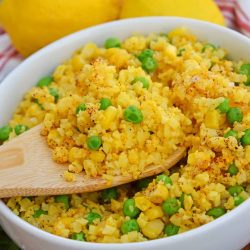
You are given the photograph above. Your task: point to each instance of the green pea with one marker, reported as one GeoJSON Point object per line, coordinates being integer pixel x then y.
{"type": "Point", "coordinates": [149, 64]}
{"type": "Point", "coordinates": [238, 200]}
{"type": "Point", "coordinates": [170, 206]}
{"type": "Point", "coordinates": [5, 133]}
{"type": "Point", "coordinates": [54, 93]}
{"type": "Point", "coordinates": [133, 114]}
{"type": "Point", "coordinates": [216, 212]}
{"type": "Point", "coordinates": [143, 80]}
{"type": "Point", "coordinates": [92, 216]}
{"type": "Point", "coordinates": [19, 129]}
{"type": "Point", "coordinates": [130, 226]}
{"type": "Point", "coordinates": [109, 194]}
{"type": "Point", "coordinates": [129, 208]}
{"type": "Point", "coordinates": [81, 107]}
{"type": "Point", "coordinates": [224, 106]}
{"type": "Point", "coordinates": [181, 199]}
{"type": "Point", "coordinates": [39, 212]}
{"type": "Point", "coordinates": [245, 70]}
{"type": "Point", "coordinates": [171, 229]}
{"type": "Point", "coordinates": [63, 199]}
{"type": "Point", "coordinates": [208, 46]}
{"type": "Point", "coordinates": [234, 115]}
{"type": "Point", "coordinates": [44, 82]}
{"type": "Point", "coordinates": [231, 133]}
{"type": "Point", "coordinates": [143, 183]}
{"type": "Point", "coordinates": [39, 104]}
{"type": "Point", "coordinates": [232, 169]}
{"type": "Point", "coordinates": [78, 236]}
{"type": "Point", "coordinates": [164, 178]}
{"type": "Point", "coordinates": [245, 139]}
{"type": "Point", "coordinates": [94, 142]}
{"type": "Point", "coordinates": [112, 42]}
{"type": "Point", "coordinates": [235, 190]}
{"type": "Point", "coordinates": [147, 53]}
{"type": "Point", "coordinates": [181, 51]}
{"type": "Point", "coordinates": [105, 103]}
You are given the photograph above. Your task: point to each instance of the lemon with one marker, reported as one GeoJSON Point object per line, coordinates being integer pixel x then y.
{"type": "Point", "coordinates": [32, 24]}
{"type": "Point", "coordinates": [199, 9]}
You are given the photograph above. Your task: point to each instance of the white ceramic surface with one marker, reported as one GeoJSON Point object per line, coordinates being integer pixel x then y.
{"type": "Point", "coordinates": [230, 232]}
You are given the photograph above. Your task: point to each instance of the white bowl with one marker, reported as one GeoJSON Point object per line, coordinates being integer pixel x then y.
{"type": "Point", "coordinates": [229, 232]}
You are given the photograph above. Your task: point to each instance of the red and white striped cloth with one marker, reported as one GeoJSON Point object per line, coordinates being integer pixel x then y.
{"type": "Point", "coordinates": [9, 57]}
{"type": "Point", "coordinates": [236, 13]}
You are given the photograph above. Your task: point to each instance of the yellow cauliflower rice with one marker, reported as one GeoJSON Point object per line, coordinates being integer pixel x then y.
{"type": "Point", "coordinates": [96, 91]}
{"type": "Point", "coordinates": [118, 109]}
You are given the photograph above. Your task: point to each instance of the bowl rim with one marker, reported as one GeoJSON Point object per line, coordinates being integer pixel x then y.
{"type": "Point", "coordinates": [106, 246]}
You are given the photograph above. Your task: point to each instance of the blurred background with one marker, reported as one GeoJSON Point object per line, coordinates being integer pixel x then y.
{"type": "Point", "coordinates": [28, 25]}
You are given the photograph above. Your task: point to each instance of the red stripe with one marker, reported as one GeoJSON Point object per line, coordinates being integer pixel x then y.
{"type": "Point", "coordinates": [229, 16]}
{"type": "Point", "coordinates": [226, 3]}
{"type": "Point", "coordinates": [242, 24]}
{"type": "Point", "coordinates": [227, 8]}
{"type": "Point", "coordinates": [19, 57]}
{"type": "Point", "coordinates": [6, 55]}
{"type": "Point", "coordinates": [6, 50]}
{"type": "Point", "coordinates": [7, 59]}
{"type": "Point", "coordinates": [242, 12]}
{"type": "Point", "coordinates": [228, 11]}
{"type": "Point", "coordinates": [231, 24]}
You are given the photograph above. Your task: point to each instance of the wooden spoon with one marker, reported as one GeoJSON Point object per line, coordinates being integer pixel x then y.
{"type": "Point", "coordinates": [27, 169]}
